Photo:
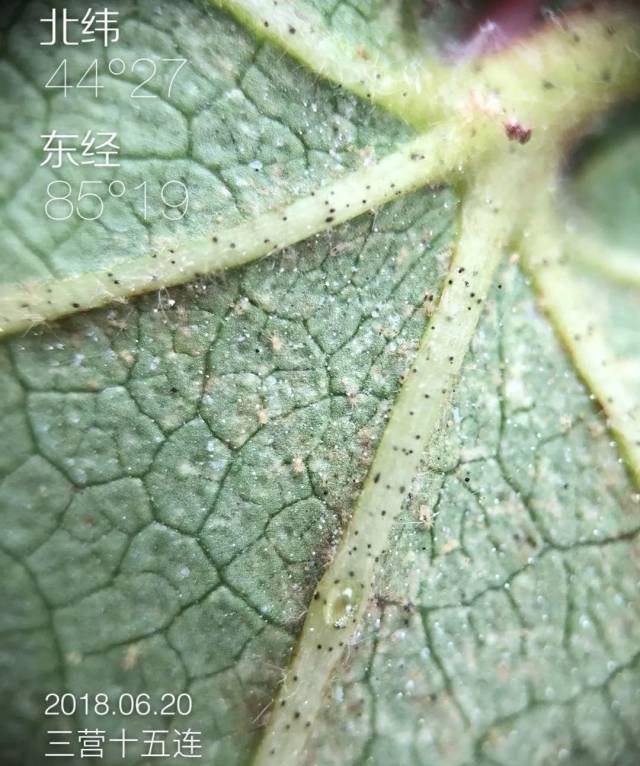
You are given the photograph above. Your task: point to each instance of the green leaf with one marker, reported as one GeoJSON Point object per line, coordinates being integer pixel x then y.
{"type": "Point", "coordinates": [232, 136]}
{"type": "Point", "coordinates": [359, 473]}
{"type": "Point", "coordinates": [504, 627]}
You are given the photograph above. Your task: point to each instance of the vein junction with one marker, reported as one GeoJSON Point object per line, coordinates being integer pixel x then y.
{"type": "Point", "coordinates": [463, 114]}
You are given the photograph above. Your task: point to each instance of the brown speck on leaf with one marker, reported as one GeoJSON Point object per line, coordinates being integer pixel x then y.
{"type": "Point", "coordinates": [241, 306]}
{"type": "Point", "coordinates": [425, 516]}
{"type": "Point", "coordinates": [351, 391]}
{"type": "Point", "coordinates": [127, 357]}
{"type": "Point", "coordinates": [276, 342]}
{"type": "Point", "coordinates": [130, 659]}
{"type": "Point", "coordinates": [565, 423]}
{"type": "Point", "coordinates": [517, 132]}
{"type": "Point", "coordinates": [450, 545]}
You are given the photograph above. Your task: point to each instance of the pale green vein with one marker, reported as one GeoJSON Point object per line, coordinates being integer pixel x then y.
{"type": "Point", "coordinates": [303, 34]}
{"type": "Point", "coordinates": [615, 263]}
{"type": "Point", "coordinates": [342, 596]}
{"type": "Point", "coordinates": [427, 159]}
{"type": "Point", "coordinates": [544, 257]}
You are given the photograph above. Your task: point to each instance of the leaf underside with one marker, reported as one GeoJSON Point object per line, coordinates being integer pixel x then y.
{"type": "Point", "coordinates": [178, 471]}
